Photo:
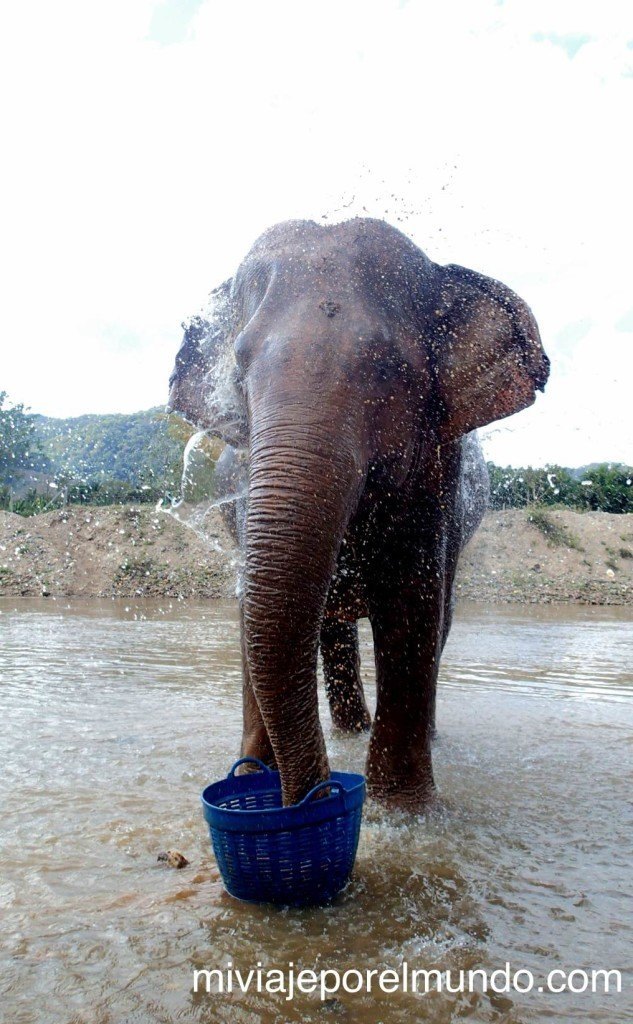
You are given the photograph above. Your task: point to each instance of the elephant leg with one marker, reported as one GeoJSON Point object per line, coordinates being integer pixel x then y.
{"type": "Point", "coordinates": [407, 629]}
{"type": "Point", "coordinates": [255, 739]}
{"type": "Point", "coordinates": [452, 559]}
{"type": "Point", "coordinates": [449, 605]}
{"type": "Point", "coordinates": [341, 669]}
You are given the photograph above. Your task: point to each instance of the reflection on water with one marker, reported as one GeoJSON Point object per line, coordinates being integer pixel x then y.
{"type": "Point", "coordinates": [116, 715]}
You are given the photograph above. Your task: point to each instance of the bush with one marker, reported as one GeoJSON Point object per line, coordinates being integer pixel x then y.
{"type": "Point", "coordinates": [603, 488]}
{"type": "Point", "coordinates": [555, 533]}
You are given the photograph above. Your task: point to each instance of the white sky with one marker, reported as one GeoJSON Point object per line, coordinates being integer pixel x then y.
{"type": "Point", "coordinates": [147, 144]}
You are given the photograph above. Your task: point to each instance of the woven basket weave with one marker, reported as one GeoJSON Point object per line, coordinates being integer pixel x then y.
{"type": "Point", "coordinates": [291, 855]}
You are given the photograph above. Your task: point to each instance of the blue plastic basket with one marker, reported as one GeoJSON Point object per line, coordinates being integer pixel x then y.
{"type": "Point", "coordinates": [273, 854]}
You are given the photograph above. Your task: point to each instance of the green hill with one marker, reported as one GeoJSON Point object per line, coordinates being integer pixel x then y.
{"type": "Point", "coordinates": [137, 457]}
{"type": "Point", "coordinates": [99, 459]}
{"type": "Point", "coordinates": [139, 448]}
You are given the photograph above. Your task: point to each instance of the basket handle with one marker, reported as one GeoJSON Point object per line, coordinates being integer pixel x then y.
{"type": "Point", "coordinates": [249, 760]}
{"type": "Point", "coordinates": [327, 784]}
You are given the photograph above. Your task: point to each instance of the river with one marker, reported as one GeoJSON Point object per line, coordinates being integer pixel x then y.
{"type": "Point", "coordinates": [116, 714]}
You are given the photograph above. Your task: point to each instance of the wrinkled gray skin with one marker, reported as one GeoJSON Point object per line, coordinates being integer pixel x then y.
{"type": "Point", "coordinates": [231, 478]}
{"type": "Point", "coordinates": [353, 370]}
{"type": "Point", "coordinates": [339, 646]}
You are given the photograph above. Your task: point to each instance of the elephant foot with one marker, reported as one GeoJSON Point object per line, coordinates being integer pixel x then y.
{"type": "Point", "coordinates": [410, 801]}
{"type": "Point", "coordinates": [350, 720]}
{"type": "Point", "coordinates": [401, 783]}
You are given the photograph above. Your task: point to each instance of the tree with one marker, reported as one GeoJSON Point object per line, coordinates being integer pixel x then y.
{"type": "Point", "coordinates": [608, 488]}
{"type": "Point", "coordinates": [20, 450]}
{"type": "Point", "coordinates": [604, 488]}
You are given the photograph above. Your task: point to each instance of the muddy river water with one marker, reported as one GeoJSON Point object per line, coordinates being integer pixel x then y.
{"type": "Point", "coordinates": [116, 714]}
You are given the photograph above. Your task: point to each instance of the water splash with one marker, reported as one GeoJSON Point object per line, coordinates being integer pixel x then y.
{"type": "Point", "coordinates": [204, 493]}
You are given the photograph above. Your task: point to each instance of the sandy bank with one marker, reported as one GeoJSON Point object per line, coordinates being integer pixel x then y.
{"type": "Point", "coordinates": [126, 551]}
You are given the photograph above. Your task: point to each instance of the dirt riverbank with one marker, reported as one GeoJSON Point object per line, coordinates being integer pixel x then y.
{"type": "Point", "coordinates": [113, 551]}
{"type": "Point", "coordinates": [518, 556]}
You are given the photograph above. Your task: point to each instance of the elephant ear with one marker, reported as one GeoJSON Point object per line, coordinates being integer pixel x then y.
{"type": "Point", "coordinates": [224, 398]}
{"type": "Point", "coordinates": [489, 361]}
{"type": "Point", "coordinates": [204, 383]}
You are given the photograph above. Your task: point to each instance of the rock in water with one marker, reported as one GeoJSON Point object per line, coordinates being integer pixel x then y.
{"type": "Point", "coordinates": [174, 858]}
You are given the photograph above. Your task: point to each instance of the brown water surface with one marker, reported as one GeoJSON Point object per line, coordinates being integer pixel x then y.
{"type": "Point", "coordinates": [115, 715]}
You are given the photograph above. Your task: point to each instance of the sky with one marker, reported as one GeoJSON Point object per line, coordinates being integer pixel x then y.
{"type": "Point", "coordinates": [147, 143]}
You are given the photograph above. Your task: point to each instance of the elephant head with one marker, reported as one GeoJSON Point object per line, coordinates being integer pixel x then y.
{"type": "Point", "coordinates": [346, 354]}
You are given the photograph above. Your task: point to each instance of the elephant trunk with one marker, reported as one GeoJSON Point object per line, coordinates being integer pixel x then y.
{"type": "Point", "coordinates": [304, 481]}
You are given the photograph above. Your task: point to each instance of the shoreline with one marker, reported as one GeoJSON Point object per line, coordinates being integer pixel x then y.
{"type": "Point", "coordinates": [518, 556]}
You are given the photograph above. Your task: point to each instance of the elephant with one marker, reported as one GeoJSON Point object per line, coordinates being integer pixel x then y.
{"type": "Point", "coordinates": [354, 371]}
{"type": "Point", "coordinates": [339, 639]}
